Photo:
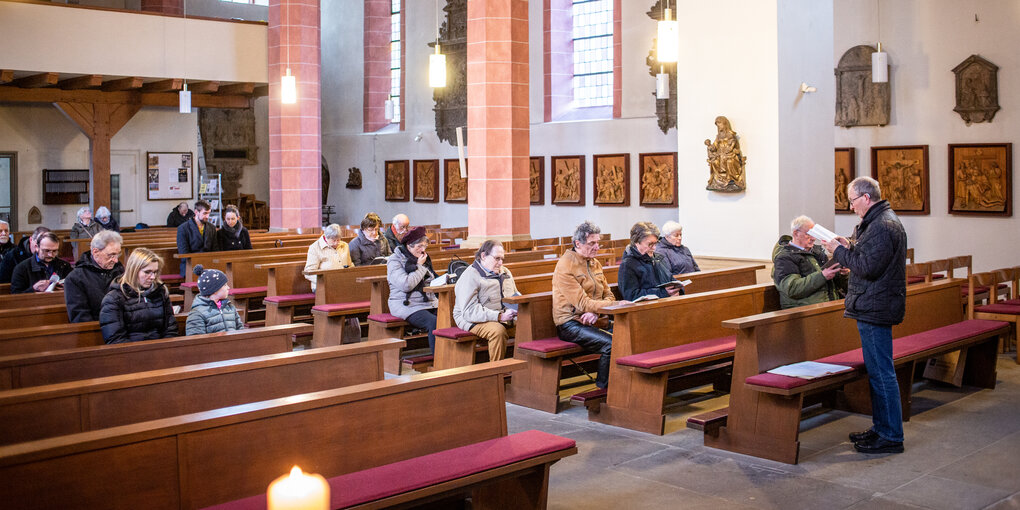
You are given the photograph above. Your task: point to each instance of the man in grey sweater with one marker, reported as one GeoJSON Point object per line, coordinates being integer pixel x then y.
{"type": "Point", "coordinates": [479, 299]}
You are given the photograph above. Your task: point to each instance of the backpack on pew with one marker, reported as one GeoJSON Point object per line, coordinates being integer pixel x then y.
{"type": "Point", "coordinates": [455, 269]}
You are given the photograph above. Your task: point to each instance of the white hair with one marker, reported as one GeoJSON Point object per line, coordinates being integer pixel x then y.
{"type": "Point", "coordinates": [669, 227]}
{"type": "Point", "coordinates": [105, 237]}
{"type": "Point", "coordinates": [102, 212]}
{"type": "Point", "coordinates": [800, 222]}
{"type": "Point", "coordinates": [4, 222]}
{"type": "Point", "coordinates": [331, 231]}
{"type": "Point", "coordinates": [84, 209]}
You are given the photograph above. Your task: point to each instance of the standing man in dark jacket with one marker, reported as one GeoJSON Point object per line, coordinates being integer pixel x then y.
{"type": "Point", "coordinates": [25, 249]}
{"type": "Point", "coordinates": [34, 273]}
{"type": "Point", "coordinates": [196, 235]}
{"type": "Point", "coordinates": [877, 299]}
{"type": "Point", "coordinates": [87, 285]}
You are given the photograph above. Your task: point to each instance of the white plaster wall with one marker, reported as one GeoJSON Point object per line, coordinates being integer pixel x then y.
{"type": "Point", "coordinates": [925, 40]}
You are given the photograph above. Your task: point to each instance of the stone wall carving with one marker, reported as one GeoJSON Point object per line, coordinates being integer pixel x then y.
{"type": "Point", "coordinates": [665, 109]}
{"type": "Point", "coordinates": [353, 178]}
{"type": "Point", "coordinates": [228, 142]}
{"type": "Point", "coordinates": [977, 89]}
{"type": "Point", "coordinates": [859, 102]}
{"type": "Point", "coordinates": [451, 100]}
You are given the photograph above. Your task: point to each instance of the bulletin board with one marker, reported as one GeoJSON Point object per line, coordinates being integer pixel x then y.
{"type": "Point", "coordinates": [169, 175]}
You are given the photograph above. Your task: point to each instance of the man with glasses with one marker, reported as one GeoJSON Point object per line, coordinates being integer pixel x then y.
{"type": "Point", "coordinates": [397, 231]}
{"type": "Point", "coordinates": [877, 300]}
{"type": "Point", "coordinates": [86, 286]}
{"type": "Point", "coordinates": [479, 295]}
{"type": "Point", "coordinates": [33, 274]}
{"type": "Point", "coordinates": [797, 269]}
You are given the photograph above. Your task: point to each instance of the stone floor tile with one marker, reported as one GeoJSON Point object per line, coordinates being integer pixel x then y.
{"type": "Point", "coordinates": [939, 493]}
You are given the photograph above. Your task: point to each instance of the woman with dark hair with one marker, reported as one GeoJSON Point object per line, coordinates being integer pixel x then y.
{"type": "Point", "coordinates": [408, 271]}
{"type": "Point", "coordinates": [642, 271]}
{"type": "Point", "coordinates": [479, 299]}
{"type": "Point", "coordinates": [233, 235]}
{"type": "Point", "coordinates": [369, 246]}
{"type": "Point", "coordinates": [137, 307]}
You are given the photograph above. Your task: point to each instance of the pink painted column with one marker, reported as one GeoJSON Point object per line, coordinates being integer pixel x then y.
{"type": "Point", "coordinates": [377, 62]}
{"type": "Point", "coordinates": [498, 123]}
{"type": "Point", "coordinates": [295, 145]}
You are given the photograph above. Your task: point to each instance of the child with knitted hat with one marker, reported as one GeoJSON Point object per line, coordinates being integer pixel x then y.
{"type": "Point", "coordinates": [211, 311]}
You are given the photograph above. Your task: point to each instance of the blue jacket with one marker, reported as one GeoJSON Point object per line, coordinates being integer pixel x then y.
{"type": "Point", "coordinates": [639, 274]}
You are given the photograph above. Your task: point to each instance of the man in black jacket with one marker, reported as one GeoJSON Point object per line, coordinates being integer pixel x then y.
{"type": "Point", "coordinates": [34, 273]}
{"type": "Point", "coordinates": [877, 299]}
{"type": "Point", "coordinates": [397, 230]}
{"type": "Point", "coordinates": [25, 249]}
{"type": "Point", "coordinates": [86, 286]}
{"type": "Point", "coordinates": [196, 235]}
{"type": "Point", "coordinates": [179, 215]}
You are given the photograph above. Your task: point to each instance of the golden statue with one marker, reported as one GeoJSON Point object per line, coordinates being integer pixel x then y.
{"type": "Point", "coordinates": [725, 159]}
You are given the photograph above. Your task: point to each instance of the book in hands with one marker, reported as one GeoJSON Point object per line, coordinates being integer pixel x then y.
{"type": "Point", "coordinates": [809, 369]}
{"type": "Point", "coordinates": [829, 263]}
{"type": "Point", "coordinates": [646, 297]}
{"type": "Point", "coordinates": [821, 233]}
{"type": "Point", "coordinates": [670, 285]}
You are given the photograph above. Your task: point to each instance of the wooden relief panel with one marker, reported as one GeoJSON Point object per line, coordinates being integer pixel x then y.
{"type": "Point", "coordinates": [612, 179]}
{"type": "Point", "coordinates": [657, 174]}
{"type": "Point", "coordinates": [902, 173]}
{"type": "Point", "coordinates": [977, 89]}
{"type": "Point", "coordinates": [568, 180]}
{"type": "Point", "coordinates": [536, 180]}
{"type": "Point", "coordinates": [981, 179]}
{"type": "Point", "coordinates": [397, 181]}
{"type": "Point", "coordinates": [456, 186]}
{"type": "Point", "coordinates": [846, 171]}
{"type": "Point", "coordinates": [426, 180]}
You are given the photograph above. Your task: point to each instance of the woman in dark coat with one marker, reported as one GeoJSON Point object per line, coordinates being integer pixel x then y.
{"type": "Point", "coordinates": [642, 271]}
{"type": "Point", "coordinates": [137, 307]}
{"type": "Point", "coordinates": [233, 235]}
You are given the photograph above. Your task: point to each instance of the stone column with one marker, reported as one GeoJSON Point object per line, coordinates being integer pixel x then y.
{"type": "Point", "coordinates": [295, 145]}
{"type": "Point", "coordinates": [498, 123]}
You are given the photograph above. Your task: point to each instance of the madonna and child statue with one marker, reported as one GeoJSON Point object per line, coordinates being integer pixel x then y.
{"type": "Point", "coordinates": [725, 160]}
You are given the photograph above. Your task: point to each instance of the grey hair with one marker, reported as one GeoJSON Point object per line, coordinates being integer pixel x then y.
{"type": "Point", "coordinates": [669, 227]}
{"type": "Point", "coordinates": [102, 212]}
{"type": "Point", "coordinates": [800, 222]}
{"type": "Point", "coordinates": [487, 247]}
{"type": "Point", "coordinates": [584, 230]}
{"type": "Point", "coordinates": [104, 238]}
{"type": "Point", "coordinates": [84, 209]}
{"type": "Point", "coordinates": [4, 222]}
{"type": "Point", "coordinates": [865, 185]}
{"type": "Point", "coordinates": [641, 230]}
{"type": "Point", "coordinates": [331, 231]}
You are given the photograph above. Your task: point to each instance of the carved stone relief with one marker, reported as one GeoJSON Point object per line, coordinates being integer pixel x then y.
{"type": "Point", "coordinates": [859, 102]}
{"type": "Point", "coordinates": [977, 89]}
{"type": "Point", "coordinates": [228, 142]}
{"type": "Point", "coordinates": [725, 160]}
{"type": "Point", "coordinates": [665, 109]}
{"type": "Point", "coordinates": [451, 100]}
{"type": "Point", "coordinates": [354, 178]}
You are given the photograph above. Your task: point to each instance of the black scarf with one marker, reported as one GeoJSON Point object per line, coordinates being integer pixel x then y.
{"type": "Point", "coordinates": [236, 231]}
{"type": "Point", "coordinates": [410, 266]}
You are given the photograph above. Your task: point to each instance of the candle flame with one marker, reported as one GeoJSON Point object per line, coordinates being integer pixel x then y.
{"type": "Point", "coordinates": [295, 471]}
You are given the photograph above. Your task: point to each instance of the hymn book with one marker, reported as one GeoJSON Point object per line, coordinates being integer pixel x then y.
{"type": "Point", "coordinates": [809, 369]}
{"type": "Point", "coordinates": [821, 233]}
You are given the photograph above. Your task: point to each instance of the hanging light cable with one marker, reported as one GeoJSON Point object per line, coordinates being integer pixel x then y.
{"type": "Point", "coordinates": [879, 59]}
{"type": "Point", "coordinates": [288, 83]}
{"type": "Point", "coordinates": [668, 37]}
{"type": "Point", "coordinates": [184, 96]}
{"type": "Point", "coordinates": [437, 61]}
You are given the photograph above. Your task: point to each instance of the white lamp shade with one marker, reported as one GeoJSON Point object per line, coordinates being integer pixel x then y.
{"type": "Point", "coordinates": [185, 100]}
{"type": "Point", "coordinates": [388, 109]}
{"type": "Point", "coordinates": [288, 88]}
{"type": "Point", "coordinates": [879, 67]}
{"type": "Point", "coordinates": [662, 86]}
{"type": "Point", "coordinates": [437, 69]}
{"type": "Point", "coordinates": [668, 39]}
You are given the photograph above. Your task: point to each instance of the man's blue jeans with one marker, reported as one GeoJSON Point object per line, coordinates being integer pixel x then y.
{"type": "Point", "coordinates": [886, 414]}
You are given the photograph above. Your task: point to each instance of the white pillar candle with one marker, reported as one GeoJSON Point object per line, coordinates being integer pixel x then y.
{"type": "Point", "coordinates": [298, 491]}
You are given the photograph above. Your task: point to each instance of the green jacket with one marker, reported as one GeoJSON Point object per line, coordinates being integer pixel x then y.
{"type": "Point", "coordinates": [206, 317]}
{"type": "Point", "coordinates": [798, 276]}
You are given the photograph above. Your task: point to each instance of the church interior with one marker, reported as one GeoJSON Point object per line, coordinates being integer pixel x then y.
{"type": "Point", "coordinates": [730, 117]}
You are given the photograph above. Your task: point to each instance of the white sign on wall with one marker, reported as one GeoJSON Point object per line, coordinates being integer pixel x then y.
{"type": "Point", "coordinates": [169, 175]}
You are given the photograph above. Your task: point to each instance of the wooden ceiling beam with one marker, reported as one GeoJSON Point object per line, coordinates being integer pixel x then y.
{"type": "Point", "coordinates": [6, 76]}
{"type": "Point", "coordinates": [168, 85]}
{"type": "Point", "coordinates": [129, 83]}
{"type": "Point", "coordinates": [261, 91]}
{"type": "Point", "coordinates": [204, 87]}
{"type": "Point", "coordinates": [87, 81]}
{"type": "Point", "coordinates": [237, 88]}
{"type": "Point", "coordinates": [37, 80]}
{"type": "Point", "coordinates": [168, 99]}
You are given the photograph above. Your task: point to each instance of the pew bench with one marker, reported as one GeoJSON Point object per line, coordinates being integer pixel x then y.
{"type": "Point", "coordinates": [1007, 310]}
{"type": "Point", "coordinates": [506, 468]}
{"type": "Point", "coordinates": [332, 318]}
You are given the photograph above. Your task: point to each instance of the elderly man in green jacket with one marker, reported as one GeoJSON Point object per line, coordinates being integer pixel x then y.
{"type": "Point", "coordinates": [797, 269]}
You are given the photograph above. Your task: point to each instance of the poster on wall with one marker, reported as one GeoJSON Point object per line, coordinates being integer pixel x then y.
{"type": "Point", "coordinates": [168, 175]}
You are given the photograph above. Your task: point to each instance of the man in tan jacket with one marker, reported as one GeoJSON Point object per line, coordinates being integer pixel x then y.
{"type": "Point", "coordinates": [479, 305]}
{"type": "Point", "coordinates": [579, 289]}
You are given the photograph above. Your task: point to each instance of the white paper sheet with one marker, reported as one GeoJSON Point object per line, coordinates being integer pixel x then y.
{"type": "Point", "coordinates": [809, 369]}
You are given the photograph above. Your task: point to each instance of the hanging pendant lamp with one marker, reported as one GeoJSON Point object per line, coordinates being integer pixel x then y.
{"type": "Point", "coordinates": [668, 40]}
{"type": "Point", "coordinates": [288, 82]}
{"type": "Point", "coordinates": [437, 61]}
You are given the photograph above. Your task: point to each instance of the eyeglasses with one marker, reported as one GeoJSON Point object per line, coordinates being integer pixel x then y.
{"type": "Point", "coordinates": [855, 198]}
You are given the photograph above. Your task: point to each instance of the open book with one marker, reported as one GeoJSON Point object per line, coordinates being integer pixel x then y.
{"type": "Point", "coordinates": [646, 297]}
{"type": "Point", "coordinates": [821, 233]}
{"type": "Point", "coordinates": [809, 369]}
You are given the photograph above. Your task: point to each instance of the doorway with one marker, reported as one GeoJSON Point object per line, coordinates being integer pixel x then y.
{"type": "Point", "coordinates": [123, 181]}
{"type": "Point", "coordinates": [8, 188]}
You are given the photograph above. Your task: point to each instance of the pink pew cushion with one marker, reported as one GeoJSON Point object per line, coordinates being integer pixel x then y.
{"type": "Point", "coordinates": [1009, 302]}
{"type": "Point", "coordinates": [190, 285]}
{"type": "Point", "coordinates": [776, 381]}
{"type": "Point", "coordinates": [412, 474]}
{"type": "Point", "coordinates": [452, 333]}
{"type": "Point", "coordinates": [290, 298]}
{"type": "Point", "coordinates": [248, 290]}
{"type": "Point", "coordinates": [171, 278]}
{"type": "Point", "coordinates": [384, 317]}
{"type": "Point", "coordinates": [547, 345]}
{"type": "Point", "coordinates": [680, 353]}
{"type": "Point", "coordinates": [342, 307]}
{"type": "Point", "coordinates": [999, 308]}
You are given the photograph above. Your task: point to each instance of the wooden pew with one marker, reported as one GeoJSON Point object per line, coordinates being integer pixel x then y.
{"type": "Point", "coordinates": [287, 291]}
{"type": "Point", "coordinates": [51, 367]}
{"type": "Point", "coordinates": [193, 461]}
{"type": "Point", "coordinates": [765, 422]}
{"type": "Point", "coordinates": [59, 409]}
{"type": "Point", "coordinates": [31, 299]}
{"type": "Point", "coordinates": [39, 315]}
{"type": "Point", "coordinates": [57, 337]}
{"type": "Point", "coordinates": [997, 309]}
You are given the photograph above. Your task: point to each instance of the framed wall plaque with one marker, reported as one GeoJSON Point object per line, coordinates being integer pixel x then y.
{"type": "Point", "coordinates": [426, 180]}
{"type": "Point", "coordinates": [168, 175]}
{"type": "Point", "coordinates": [536, 180]}
{"type": "Point", "coordinates": [397, 181]}
{"type": "Point", "coordinates": [981, 179]}
{"type": "Point", "coordinates": [657, 172]}
{"type": "Point", "coordinates": [456, 186]}
{"type": "Point", "coordinates": [846, 171]}
{"type": "Point", "coordinates": [612, 179]}
{"type": "Point", "coordinates": [567, 180]}
{"type": "Point", "coordinates": [902, 172]}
